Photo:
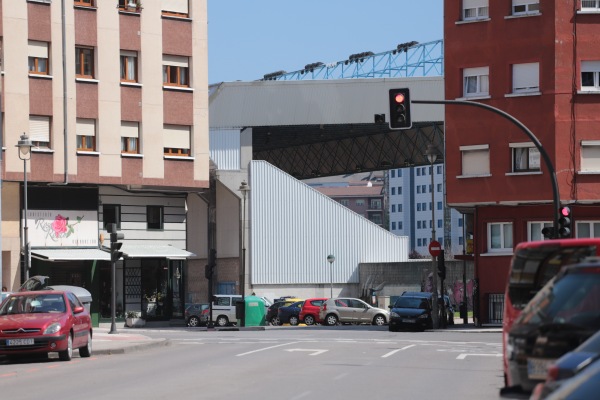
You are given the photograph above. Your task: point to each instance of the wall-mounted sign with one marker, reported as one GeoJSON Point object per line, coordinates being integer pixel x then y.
{"type": "Point", "coordinates": [60, 228]}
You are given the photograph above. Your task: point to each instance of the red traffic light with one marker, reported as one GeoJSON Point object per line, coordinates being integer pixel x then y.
{"type": "Point", "coordinates": [399, 98]}
{"type": "Point", "coordinates": [565, 211]}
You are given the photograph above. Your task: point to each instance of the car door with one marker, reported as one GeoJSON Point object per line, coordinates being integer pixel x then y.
{"type": "Point", "coordinates": [362, 312]}
{"type": "Point", "coordinates": [80, 326]}
{"type": "Point", "coordinates": [344, 310]}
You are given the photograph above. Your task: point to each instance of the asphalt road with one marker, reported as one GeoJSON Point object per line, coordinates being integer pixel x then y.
{"type": "Point", "coordinates": [288, 363]}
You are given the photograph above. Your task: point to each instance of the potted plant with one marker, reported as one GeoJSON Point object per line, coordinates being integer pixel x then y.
{"type": "Point", "coordinates": [133, 319]}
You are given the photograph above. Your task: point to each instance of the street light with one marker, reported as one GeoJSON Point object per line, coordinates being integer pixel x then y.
{"type": "Point", "coordinates": [432, 154]}
{"type": "Point", "coordinates": [25, 146]}
{"type": "Point", "coordinates": [331, 259]}
{"type": "Point", "coordinates": [244, 189]}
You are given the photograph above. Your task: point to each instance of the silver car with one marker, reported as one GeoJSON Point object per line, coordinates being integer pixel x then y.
{"type": "Point", "coordinates": [349, 310]}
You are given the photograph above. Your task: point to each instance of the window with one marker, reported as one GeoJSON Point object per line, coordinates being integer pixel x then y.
{"type": "Point", "coordinates": [526, 78]}
{"type": "Point", "coordinates": [419, 242]}
{"type": "Point", "coordinates": [590, 5]}
{"type": "Point", "coordinates": [176, 140]}
{"type": "Point", "coordinates": [360, 202]}
{"type": "Point", "coordinates": [376, 219]}
{"type": "Point", "coordinates": [130, 132]}
{"type": "Point", "coordinates": [111, 214]}
{"type": "Point", "coordinates": [393, 226]}
{"type": "Point", "coordinates": [129, 66]}
{"type": "Point", "coordinates": [400, 225]}
{"type": "Point", "coordinates": [175, 71]}
{"type": "Point", "coordinates": [177, 8]}
{"type": "Point", "coordinates": [534, 230]}
{"type": "Point", "coordinates": [429, 188]}
{"type": "Point", "coordinates": [39, 131]}
{"type": "Point", "coordinates": [423, 171]}
{"type": "Point", "coordinates": [418, 171]}
{"type": "Point", "coordinates": [86, 134]}
{"type": "Point", "coordinates": [460, 240]}
{"type": "Point", "coordinates": [393, 191]}
{"type": "Point", "coordinates": [393, 173]}
{"type": "Point", "coordinates": [423, 188]}
{"type": "Point", "coordinates": [475, 9]}
{"type": "Point", "coordinates": [84, 3]}
{"type": "Point", "coordinates": [500, 238]}
{"type": "Point", "coordinates": [439, 169]}
{"type": "Point", "coordinates": [393, 208]}
{"type": "Point", "coordinates": [439, 187]}
{"type": "Point", "coordinates": [399, 207]}
{"type": "Point", "coordinates": [418, 206]}
{"type": "Point", "coordinates": [476, 82]}
{"type": "Point", "coordinates": [345, 202]}
{"type": "Point", "coordinates": [439, 205]}
{"type": "Point", "coordinates": [375, 204]}
{"type": "Point", "coordinates": [590, 155]}
{"type": "Point", "coordinates": [475, 160]}
{"type": "Point", "coordinates": [521, 7]}
{"type": "Point", "coordinates": [588, 229]}
{"type": "Point", "coordinates": [525, 157]}
{"type": "Point", "coordinates": [418, 189]}
{"type": "Point", "coordinates": [399, 173]}
{"type": "Point", "coordinates": [590, 76]}
{"type": "Point", "coordinates": [429, 206]}
{"type": "Point", "coordinates": [460, 223]}
{"type": "Point", "coordinates": [38, 57]}
{"type": "Point", "coordinates": [418, 224]}
{"type": "Point", "coordinates": [399, 190]}
{"type": "Point", "coordinates": [130, 5]}
{"type": "Point", "coordinates": [439, 223]}
{"type": "Point", "coordinates": [155, 217]}
{"type": "Point", "coordinates": [84, 62]}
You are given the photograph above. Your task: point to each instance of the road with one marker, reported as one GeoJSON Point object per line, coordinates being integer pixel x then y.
{"type": "Point", "coordinates": [283, 363]}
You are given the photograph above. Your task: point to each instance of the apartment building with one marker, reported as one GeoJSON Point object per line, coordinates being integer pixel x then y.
{"type": "Point", "coordinates": [113, 96]}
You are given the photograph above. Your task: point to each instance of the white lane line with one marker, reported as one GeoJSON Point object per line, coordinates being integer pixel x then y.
{"type": "Point", "coordinates": [314, 352]}
{"type": "Point", "coordinates": [397, 350]}
{"type": "Point", "coordinates": [264, 348]}
{"type": "Point", "coordinates": [463, 356]}
{"type": "Point", "coordinates": [186, 343]}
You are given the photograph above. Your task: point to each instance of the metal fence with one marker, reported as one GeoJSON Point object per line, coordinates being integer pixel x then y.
{"type": "Point", "coordinates": [495, 308]}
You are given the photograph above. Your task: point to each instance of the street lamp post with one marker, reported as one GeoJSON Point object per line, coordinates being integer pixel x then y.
{"type": "Point", "coordinates": [431, 154]}
{"type": "Point", "coordinates": [25, 146]}
{"type": "Point", "coordinates": [331, 259]}
{"type": "Point", "coordinates": [244, 189]}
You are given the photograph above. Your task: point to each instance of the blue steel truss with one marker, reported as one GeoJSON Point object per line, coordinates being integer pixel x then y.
{"type": "Point", "coordinates": [419, 60]}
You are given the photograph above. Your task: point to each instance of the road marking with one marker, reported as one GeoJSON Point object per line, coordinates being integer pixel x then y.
{"type": "Point", "coordinates": [265, 348]}
{"type": "Point", "coordinates": [397, 350]}
{"type": "Point", "coordinates": [314, 352]}
{"type": "Point", "coordinates": [464, 355]}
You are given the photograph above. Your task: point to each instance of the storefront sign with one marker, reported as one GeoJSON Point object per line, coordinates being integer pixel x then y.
{"type": "Point", "coordinates": [60, 228]}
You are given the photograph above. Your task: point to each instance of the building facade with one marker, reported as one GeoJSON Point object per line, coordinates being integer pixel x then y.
{"type": "Point", "coordinates": [538, 62]}
{"type": "Point", "coordinates": [114, 100]}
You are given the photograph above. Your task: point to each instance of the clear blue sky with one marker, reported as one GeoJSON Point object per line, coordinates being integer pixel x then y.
{"type": "Point", "coordinates": [250, 38]}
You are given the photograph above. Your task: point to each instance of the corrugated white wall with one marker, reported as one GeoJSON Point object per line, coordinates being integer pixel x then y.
{"type": "Point", "coordinates": [225, 148]}
{"type": "Point", "coordinates": [294, 228]}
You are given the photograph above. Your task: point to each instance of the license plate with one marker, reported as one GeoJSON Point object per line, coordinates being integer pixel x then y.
{"type": "Point", "coordinates": [537, 368]}
{"type": "Point", "coordinates": [409, 321]}
{"type": "Point", "coordinates": [19, 342]}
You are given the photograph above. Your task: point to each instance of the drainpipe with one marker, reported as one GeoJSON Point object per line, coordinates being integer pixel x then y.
{"type": "Point", "coordinates": [64, 65]}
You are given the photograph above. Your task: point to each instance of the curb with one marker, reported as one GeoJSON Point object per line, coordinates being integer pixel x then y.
{"type": "Point", "coordinates": [133, 348]}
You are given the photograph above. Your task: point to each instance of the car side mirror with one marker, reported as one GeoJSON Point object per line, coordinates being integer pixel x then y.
{"type": "Point", "coordinates": [78, 310]}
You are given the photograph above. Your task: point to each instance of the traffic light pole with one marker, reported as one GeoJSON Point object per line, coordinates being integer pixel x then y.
{"type": "Point", "coordinates": [536, 142]}
{"type": "Point", "coordinates": [115, 255]}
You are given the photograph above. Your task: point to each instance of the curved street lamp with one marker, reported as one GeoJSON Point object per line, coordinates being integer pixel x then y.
{"type": "Point", "coordinates": [244, 189]}
{"type": "Point", "coordinates": [25, 146]}
{"type": "Point", "coordinates": [432, 155]}
{"type": "Point", "coordinates": [331, 259]}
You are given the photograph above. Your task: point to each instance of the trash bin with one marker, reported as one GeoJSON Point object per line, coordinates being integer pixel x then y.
{"type": "Point", "coordinates": [463, 310]}
{"type": "Point", "coordinates": [255, 311]}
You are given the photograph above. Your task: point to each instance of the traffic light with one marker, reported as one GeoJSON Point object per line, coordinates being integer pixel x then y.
{"type": "Point", "coordinates": [548, 232]}
{"type": "Point", "coordinates": [400, 109]}
{"type": "Point", "coordinates": [115, 245]}
{"type": "Point", "coordinates": [441, 266]}
{"type": "Point", "coordinates": [564, 222]}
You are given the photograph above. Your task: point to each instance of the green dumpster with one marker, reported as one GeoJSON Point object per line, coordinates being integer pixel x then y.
{"type": "Point", "coordinates": [255, 311]}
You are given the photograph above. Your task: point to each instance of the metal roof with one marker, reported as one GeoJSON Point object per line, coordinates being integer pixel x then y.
{"type": "Point", "coordinates": [129, 250]}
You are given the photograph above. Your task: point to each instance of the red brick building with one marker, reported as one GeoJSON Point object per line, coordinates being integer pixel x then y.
{"type": "Point", "coordinates": [539, 62]}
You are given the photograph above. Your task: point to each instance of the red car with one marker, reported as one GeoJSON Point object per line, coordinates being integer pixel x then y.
{"type": "Point", "coordinates": [44, 321]}
{"type": "Point", "coordinates": [309, 314]}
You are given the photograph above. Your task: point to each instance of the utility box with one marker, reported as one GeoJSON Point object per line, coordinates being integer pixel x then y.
{"type": "Point", "coordinates": [255, 311]}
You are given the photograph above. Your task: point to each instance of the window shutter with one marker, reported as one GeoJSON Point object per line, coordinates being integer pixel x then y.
{"type": "Point", "coordinates": [474, 3]}
{"type": "Point", "coordinates": [590, 158]}
{"type": "Point", "coordinates": [176, 61]}
{"type": "Point", "coordinates": [38, 49]}
{"type": "Point", "coordinates": [590, 66]}
{"type": "Point", "coordinates": [524, 2]}
{"type": "Point", "coordinates": [526, 76]}
{"type": "Point", "coordinates": [176, 136]}
{"type": "Point", "coordinates": [130, 129]}
{"type": "Point", "coordinates": [85, 127]}
{"type": "Point", "coordinates": [476, 162]}
{"type": "Point", "coordinates": [39, 128]}
{"type": "Point", "coordinates": [476, 71]}
{"type": "Point", "coordinates": [178, 6]}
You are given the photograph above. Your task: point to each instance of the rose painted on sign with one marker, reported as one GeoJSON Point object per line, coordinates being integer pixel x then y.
{"type": "Point", "coordinates": [58, 229]}
{"type": "Point", "coordinates": [60, 225]}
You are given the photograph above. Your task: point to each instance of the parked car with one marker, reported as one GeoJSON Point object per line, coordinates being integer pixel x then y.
{"type": "Point", "coordinates": [568, 366]}
{"type": "Point", "coordinates": [448, 305]}
{"type": "Point", "coordinates": [271, 316]}
{"type": "Point", "coordinates": [350, 310]}
{"type": "Point", "coordinates": [223, 307]}
{"type": "Point", "coordinates": [532, 266]}
{"type": "Point", "coordinates": [195, 315]}
{"type": "Point", "coordinates": [309, 314]}
{"type": "Point", "coordinates": [561, 316]}
{"type": "Point", "coordinates": [290, 314]}
{"type": "Point", "coordinates": [4, 295]}
{"type": "Point", "coordinates": [584, 385]}
{"type": "Point", "coordinates": [41, 322]}
{"type": "Point", "coordinates": [410, 312]}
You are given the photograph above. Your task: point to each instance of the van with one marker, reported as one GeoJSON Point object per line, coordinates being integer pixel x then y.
{"type": "Point", "coordinates": [223, 309]}
{"type": "Point", "coordinates": [533, 264]}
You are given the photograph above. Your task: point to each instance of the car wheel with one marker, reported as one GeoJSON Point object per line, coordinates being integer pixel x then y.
{"type": "Point", "coordinates": [379, 320]}
{"type": "Point", "coordinates": [194, 321]}
{"type": "Point", "coordinates": [222, 320]}
{"type": "Point", "coordinates": [331, 319]}
{"type": "Point", "coordinates": [309, 320]}
{"type": "Point", "coordinates": [67, 354]}
{"type": "Point", "coordinates": [86, 351]}
{"type": "Point", "coordinates": [293, 320]}
{"type": "Point", "coordinates": [275, 321]}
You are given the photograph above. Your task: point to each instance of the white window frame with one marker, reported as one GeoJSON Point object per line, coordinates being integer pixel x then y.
{"type": "Point", "coordinates": [526, 78]}
{"type": "Point", "coordinates": [474, 10]}
{"type": "Point", "coordinates": [528, 153]}
{"type": "Point", "coordinates": [534, 230]}
{"type": "Point", "coordinates": [505, 244]}
{"type": "Point", "coordinates": [592, 226]}
{"type": "Point", "coordinates": [591, 67]}
{"type": "Point", "coordinates": [590, 156]}
{"type": "Point", "coordinates": [590, 5]}
{"type": "Point", "coordinates": [525, 7]}
{"type": "Point", "coordinates": [475, 160]}
{"type": "Point", "coordinates": [476, 82]}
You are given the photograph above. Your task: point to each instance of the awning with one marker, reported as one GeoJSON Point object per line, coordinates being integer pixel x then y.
{"type": "Point", "coordinates": [154, 251]}
{"type": "Point", "coordinates": [70, 254]}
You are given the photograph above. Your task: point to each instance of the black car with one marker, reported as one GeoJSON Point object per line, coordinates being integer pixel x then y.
{"type": "Point", "coordinates": [448, 305]}
{"type": "Point", "coordinates": [290, 314]}
{"type": "Point", "coordinates": [410, 313]}
{"type": "Point", "coordinates": [273, 310]}
{"type": "Point", "coordinates": [196, 315]}
{"type": "Point", "coordinates": [561, 316]}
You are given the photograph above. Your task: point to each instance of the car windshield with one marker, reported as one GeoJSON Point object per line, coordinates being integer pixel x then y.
{"type": "Point", "coordinates": [570, 299]}
{"type": "Point", "coordinates": [33, 303]}
{"type": "Point", "coordinates": [410, 302]}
